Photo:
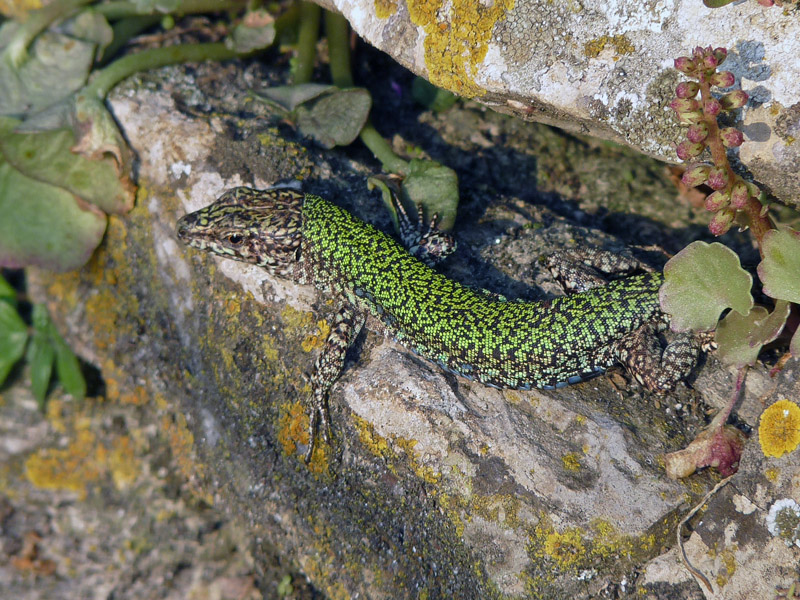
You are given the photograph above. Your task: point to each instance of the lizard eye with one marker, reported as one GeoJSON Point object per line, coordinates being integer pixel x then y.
{"type": "Point", "coordinates": [235, 239]}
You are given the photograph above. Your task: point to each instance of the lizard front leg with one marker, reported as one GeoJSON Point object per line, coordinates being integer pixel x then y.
{"type": "Point", "coordinates": [329, 364]}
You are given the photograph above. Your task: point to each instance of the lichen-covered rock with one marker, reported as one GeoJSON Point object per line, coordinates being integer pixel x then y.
{"type": "Point", "coordinates": [602, 68]}
{"type": "Point", "coordinates": [436, 487]}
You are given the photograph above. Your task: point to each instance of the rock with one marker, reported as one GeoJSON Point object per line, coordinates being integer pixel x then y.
{"type": "Point", "coordinates": [603, 69]}
{"type": "Point", "coordinates": [436, 486]}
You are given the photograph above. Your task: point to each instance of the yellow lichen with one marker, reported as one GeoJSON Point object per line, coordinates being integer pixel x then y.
{"type": "Point", "coordinates": [621, 44]}
{"type": "Point", "coordinates": [316, 340]}
{"type": "Point", "coordinates": [779, 429]}
{"type": "Point", "coordinates": [571, 461]}
{"type": "Point", "coordinates": [385, 8]}
{"type": "Point", "coordinates": [566, 548]}
{"type": "Point", "coordinates": [457, 36]}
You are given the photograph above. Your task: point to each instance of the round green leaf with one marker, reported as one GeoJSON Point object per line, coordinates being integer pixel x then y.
{"type": "Point", "coordinates": [44, 225]}
{"type": "Point", "coordinates": [336, 119]}
{"type": "Point", "coordinates": [780, 269]}
{"type": "Point", "coordinates": [700, 282]}
{"type": "Point", "coordinates": [435, 188]}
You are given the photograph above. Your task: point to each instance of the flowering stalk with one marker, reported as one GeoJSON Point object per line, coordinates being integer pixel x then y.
{"type": "Point", "coordinates": [732, 194]}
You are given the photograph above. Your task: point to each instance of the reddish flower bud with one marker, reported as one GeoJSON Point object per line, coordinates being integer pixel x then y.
{"type": "Point", "coordinates": [722, 79]}
{"type": "Point", "coordinates": [712, 107]}
{"type": "Point", "coordinates": [697, 133]}
{"type": "Point", "coordinates": [684, 64]}
{"type": "Point", "coordinates": [720, 54]}
{"type": "Point", "coordinates": [699, 52]}
{"type": "Point", "coordinates": [687, 150]}
{"type": "Point", "coordinates": [710, 61]}
{"type": "Point", "coordinates": [735, 99]}
{"type": "Point", "coordinates": [687, 89]}
{"type": "Point", "coordinates": [739, 194]}
{"type": "Point", "coordinates": [731, 137]}
{"type": "Point", "coordinates": [695, 174]}
{"type": "Point", "coordinates": [721, 222]}
{"type": "Point", "coordinates": [717, 201]}
{"type": "Point", "coordinates": [717, 178]}
{"type": "Point", "coordinates": [682, 105]}
{"type": "Point", "coordinates": [766, 3]}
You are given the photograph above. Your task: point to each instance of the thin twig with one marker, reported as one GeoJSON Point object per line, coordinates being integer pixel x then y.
{"type": "Point", "coordinates": [696, 573]}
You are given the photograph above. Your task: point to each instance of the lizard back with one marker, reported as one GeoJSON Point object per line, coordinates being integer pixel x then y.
{"type": "Point", "coordinates": [505, 344]}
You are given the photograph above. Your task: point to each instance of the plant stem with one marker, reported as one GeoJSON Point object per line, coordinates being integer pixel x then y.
{"type": "Point", "coordinates": [337, 31]}
{"type": "Point", "coordinates": [759, 225]}
{"type": "Point", "coordinates": [307, 42]}
{"type": "Point", "coordinates": [124, 30]}
{"type": "Point", "coordinates": [126, 66]}
{"type": "Point", "coordinates": [390, 162]}
{"type": "Point", "coordinates": [122, 9]}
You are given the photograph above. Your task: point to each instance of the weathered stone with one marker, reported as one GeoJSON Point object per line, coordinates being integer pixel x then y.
{"type": "Point", "coordinates": [436, 487]}
{"type": "Point", "coordinates": [603, 68]}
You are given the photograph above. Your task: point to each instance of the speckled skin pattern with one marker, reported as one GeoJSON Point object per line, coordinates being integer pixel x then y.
{"type": "Point", "coordinates": [500, 343]}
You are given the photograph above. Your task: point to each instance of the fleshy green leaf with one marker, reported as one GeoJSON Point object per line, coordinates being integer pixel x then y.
{"type": "Point", "coordinates": [337, 118]}
{"type": "Point", "coordinates": [289, 97]}
{"type": "Point", "coordinates": [780, 269]}
{"type": "Point", "coordinates": [68, 369]}
{"type": "Point", "coordinates": [13, 336]}
{"type": "Point", "coordinates": [700, 282]}
{"type": "Point", "coordinates": [41, 355]}
{"type": "Point", "coordinates": [47, 157]}
{"type": "Point", "coordinates": [7, 293]}
{"type": "Point", "coordinates": [740, 338]}
{"type": "Point", "coordinates": [435, 188]}
{"type": "Point", "coordinates": [56, 66]}
{"type": "Point", "coordinates": [43, 225]}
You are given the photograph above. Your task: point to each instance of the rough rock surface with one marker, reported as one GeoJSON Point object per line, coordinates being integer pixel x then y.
{"type": "Point", "coordinates": [436, 487]}
{"type": "Point", "coordinates": [603, 68]}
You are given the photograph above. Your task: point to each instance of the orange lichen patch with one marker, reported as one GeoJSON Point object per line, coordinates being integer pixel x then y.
{"type": "Point", "coordinates": [385, 8]}
{"type": "Point", "coordinates": [137, 397]}
{"type": "Point", "coordinates": [293, 428]}
{"type": "Point", "coordinates": [779, 429]}
{"type": "Point", "coordinates": [457, 36]}
{"type": "Point", "coordinates": [72, 468]}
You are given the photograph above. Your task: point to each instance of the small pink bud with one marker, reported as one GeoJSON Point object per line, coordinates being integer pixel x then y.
{"type": "Point", "coordinates": [687, 150]}
{"type": "Point", "coordinates": [739, 194]}
{"type": "Point", "coordinates": [687, 89]}
{"type": "Point", "coordinates": [734, 99]}
{"type": "Point", "coordinates": [721, 221]}
{"type": "Point", "coordinates": [682, 105]}
{"type": "Point", "coordinates": [717, 201]}
{"type": "Point", "coordinates": [731, 137]}
{"type": "Point", "coordinates": [684, 64]}
{"type": "Point", "coordinates": [712, 107]}
{"type": "Point", "coordinates": [766, 3]}
{"type": "Point", "coordinates": [723, 79]}
{"type": "Point", "coordinates": [697, 133]}
{"type": "Point", "coordinates": [720, 54]}
{"type": "Point", "coordinates": [699, 52]}
{"type": "Point", "coordinates": [691, 117]}
{"type": "Point", "coordinates": [710, 61]}
{"type": "Point", "coordinates": [695, 175]}
{"type": "Point", "coordinates": [717, 178]}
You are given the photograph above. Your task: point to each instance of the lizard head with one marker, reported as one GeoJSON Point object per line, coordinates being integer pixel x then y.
{"type": "Point", "coordinates": [262, 227]}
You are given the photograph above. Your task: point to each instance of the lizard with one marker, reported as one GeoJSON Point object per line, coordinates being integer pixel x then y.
{"type": "Point", "coordinates": [472, 333]}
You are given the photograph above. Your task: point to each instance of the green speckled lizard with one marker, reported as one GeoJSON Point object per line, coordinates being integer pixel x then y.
{"type": "Point", "coordinates": [471, 333]}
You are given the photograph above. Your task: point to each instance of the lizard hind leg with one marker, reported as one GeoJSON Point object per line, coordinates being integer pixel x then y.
{"type": "Point", "coordinates": [329, 364]}
{"type": "Point", "coordinates": [584, 268]}
{"type": "Point", "coordinates": [656, 369]}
